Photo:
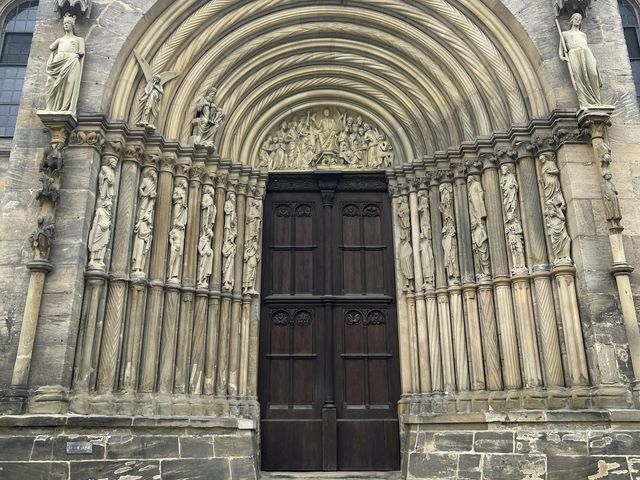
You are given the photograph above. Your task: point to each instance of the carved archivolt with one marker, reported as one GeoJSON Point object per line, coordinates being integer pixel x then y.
{"type": "Point", "coordinates": [326, 137]}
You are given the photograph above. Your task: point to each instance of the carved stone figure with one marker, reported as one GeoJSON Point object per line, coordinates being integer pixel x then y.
{"type": "Point", "coordinates": [574, 49]}
{"type": "Point", "coordinates": [404, 214]}
{"type": "Point", "coordinates": [48, 191]}
{"type": "Point", "coordinates": [80, 6]}
{"type": "Point", "coordinates": [153, 93]}
{"type": "Point", "coordinates": [205, 267]}
{"type": "Point", "coordinates": [178, 225]}
{"type": "Point", "coordinates": [426, 248]}
{"type": "Point", "coordinates": [53, 161]}
{"type": "Point", "coordinates": [555, 210]}
{"type": "Point", "coordinates": [41, 239]}
{"type": "Point", "coordinates": [147, 193]}
{"type": "Point", "coordinates": [513, 223]}
{"type": "Point", "coordinates": [405, 256]}
{"type": "Point", "coordinates": [479, 235]}
{"type": "Point", "coordinates": [107, 179]}
{"type": "Point", "coordinates": [207, 120]}
{"type": "Point", "coordinates": [100, 235]}
{"type": "Point", "coordinates": [252, 247]}
{"type": "Point", "coordinates": [64, 69]}
{"type": "Point", "coordinates": [208, 207]}
{"type": "Point", "coordinates": [143, 229]}
{"type": "Point", "coordinates": [611, 201]}
{"type": "Point", "coordinates": [571, 6]}
{"type": "Point", "coordinates": [324, 137]}
{"type": "Point", "coordinates": [229, 245]}
{"type": "Point", "coordinates": [449, 234]}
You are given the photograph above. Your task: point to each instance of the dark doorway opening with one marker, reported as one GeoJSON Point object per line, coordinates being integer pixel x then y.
{"type": "Point", "coordinates": [329, 379]}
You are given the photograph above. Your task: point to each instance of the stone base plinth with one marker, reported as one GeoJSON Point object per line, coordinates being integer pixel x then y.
{"type": "Point", "coordinates": [116, 447]}
{"type": "Point", "coordinates": [559, 445]}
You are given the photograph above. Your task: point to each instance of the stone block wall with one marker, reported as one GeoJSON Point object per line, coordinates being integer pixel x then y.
{"type": "Point", "coordinates": [35, 448]}
{"type": "Point", "coordinates": [535, 446]}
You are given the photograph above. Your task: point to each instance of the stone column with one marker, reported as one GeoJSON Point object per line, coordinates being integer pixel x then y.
{"type": "Point", "coordinates": [452, 268]}
{"type": "Point", "coordinates": [60, 127]}
{"type": "Point", "coordinates": [99, 242]}
{"type": "Point", "coordinates": [501, 279]}
{"type": "Point", "coordinates": [228, 246]}
{"type": "Point", "coordinates": [406, 349]}
{"type": "Point", "coordinates": [482, 261]}
{"type": "Point", "coordinates": [254, 329]}
{"type": "Point", "coordinates": [189, 264]}
{"type": "Point", "coordinates": [120, 254]}
{"type": "Point", "coordinates": [236, 306]}
{"type": "Point", "coordinates": [442, 293]}
{"type": "Point", "coordinates": [538, 262]}
{"type": "Point", "coordinates": [468, 279]}
{"type": "Point", "coordinates": [525, 316]}
{"type": "Point", "coordinates": [420, 307]}
{"type": "Point", "coordinates": [215, 285]}
{"type": "Point", "coordinates": [157, 269]}
{"type": "Point", "coordinates": [143, 235]}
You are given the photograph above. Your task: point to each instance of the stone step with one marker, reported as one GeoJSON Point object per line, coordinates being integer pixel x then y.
{"type": "Point", "coordinates": [331, 476]}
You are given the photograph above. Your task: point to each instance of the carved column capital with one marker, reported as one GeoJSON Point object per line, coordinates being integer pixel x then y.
{"type": "Point", "coordinates": [524, 149]}
{"type": "Point", "coordinates": [87, 138]}
{"type": "Point", "coordinates": [196, 173]}
{"type": "Point", "coordinates": [168, 162]}
{"type": "Point", "coordinates": [221, 180]}
{"type": "Point", "coordinates": [460, 172]}
{"type": "Point", "coordinates": [151, 160]}
{"type": "Point", "coordinates": [596, 119]}
{"type": "Point", "coordinates": [489, 161]}
{"type": "Point", "coordinates": [113, 148]}
{"type": "Point", "coordinates": [60, 126]}
{"type": "Point", "coordinates": [133, 152]}
{"type": "Point", "coordinates": [506, 155]}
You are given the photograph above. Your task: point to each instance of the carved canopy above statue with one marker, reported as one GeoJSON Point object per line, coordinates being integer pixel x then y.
{"type": "Point", "coordinates": [326, 137]}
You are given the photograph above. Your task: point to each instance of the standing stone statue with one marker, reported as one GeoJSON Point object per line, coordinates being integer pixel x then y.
{"type": "Point", "coordinates": [426, 248]}
{"type": "Point", "coordinates": [178, 226]}
{"type": "Point", "coordinates": [513, 223]}
{"type": "Point", "coordinates": [41, 238]}
{"type": "Point", "coordinates": [107, 179]}
{"type": "Point", "coordinates": [64, 69]}
{"type": "Point", "coordinates": [100, 235]}
{"type": "Point", "coordinates": [143, 230]}
{"type": "Point", "coordinates": [207, 120]}
{"type": "Point", "coordinates": [205, 250]}
{"type": "Point", "coordinates": [153, 93]}
{"type": "Point", "coordinates": [479, 235]}
{"type": "Point", "coordinates": [449, 234]}
{"type": "Point", "coordinates": [574, 49]}
{"type": "Point", "coordinates": [252, 247]}
{"type": "Point", "coordinates": [555, 210]}
{"type": "Point", "coordinates": [208, 207]}
{"type": "Point", "coordinates": [611, 201]}
{"type": "Point", "coordinates": [229, 245]}
{"type": "Point", "coordinates": [405, 250]}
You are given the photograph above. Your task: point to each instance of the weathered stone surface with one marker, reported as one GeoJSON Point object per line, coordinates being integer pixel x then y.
{"type": "Point", "coordinates": [55, 448]}
{"type": "Point", "coordinates": [453, 442]}
{"type": "Point", "coordinates": [195, 469]}
{"type": "Point", "coordinates": [243, 469]}
{"type": "Point", "coordinates": [433, 465]}
{"type": "Point", "coordinates": [508, 467]}
{"type": "Point", "coordinates": [493, 442]}
{"type": "Point", "coordinates": [470, 467]}
{"type": "Point", "coordinates": [130, 446]}
{"type": "Point", "coordinates": [16, 448]}
{"type": "Point", "coordinates": [563, 467]}
{"type": "Point", "coordinates": [552, 443]}
{"type": "Point", "coordinates": [133, 469]}
{"type": "Point", "coordinates": [614, 443]}
{"type": "Point", "coordinates": [233, 446]}
{"type": "Point", "coordinates": [34, 471]}
{"type": "Point", "coordinates": [196, 447]}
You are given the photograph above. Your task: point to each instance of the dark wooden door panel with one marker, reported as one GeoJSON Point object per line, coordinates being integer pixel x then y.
{"type": "Point", "coordinates": [329, 375]}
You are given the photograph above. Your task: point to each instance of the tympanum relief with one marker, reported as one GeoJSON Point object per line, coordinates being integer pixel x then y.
{"type": "Point", "coordinates": [326, 138]}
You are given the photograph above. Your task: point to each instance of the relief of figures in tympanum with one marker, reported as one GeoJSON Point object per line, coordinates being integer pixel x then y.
{"type": "Point", "coordinates": [326, 137]}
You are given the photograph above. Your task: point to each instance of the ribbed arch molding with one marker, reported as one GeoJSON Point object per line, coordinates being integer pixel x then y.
{"type": "Point", "coordinates": [434, 73]}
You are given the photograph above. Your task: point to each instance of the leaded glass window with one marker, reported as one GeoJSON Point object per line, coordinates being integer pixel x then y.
{"type": "Point", "coordinates": [631, 26]}
{"type": "Point", "coordinates": [17, 33]}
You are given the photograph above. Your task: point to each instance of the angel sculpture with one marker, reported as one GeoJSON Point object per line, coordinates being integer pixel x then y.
{"type": "Point", "coordinates": [153, 93]}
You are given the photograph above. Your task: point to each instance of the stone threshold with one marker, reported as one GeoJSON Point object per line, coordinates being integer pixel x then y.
{"type": "Point", "coordinates": [331, 476]}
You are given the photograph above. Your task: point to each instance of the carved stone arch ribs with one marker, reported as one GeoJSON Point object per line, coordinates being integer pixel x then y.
{"type": "Point", "coordinates": [454, 53]}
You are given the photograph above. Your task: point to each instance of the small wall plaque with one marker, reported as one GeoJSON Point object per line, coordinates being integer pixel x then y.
{"type": "Point", "coordinates": [79, 448]}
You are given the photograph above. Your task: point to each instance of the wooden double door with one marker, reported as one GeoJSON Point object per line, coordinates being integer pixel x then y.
{"type": "Point", "coordinates": [329, 375]}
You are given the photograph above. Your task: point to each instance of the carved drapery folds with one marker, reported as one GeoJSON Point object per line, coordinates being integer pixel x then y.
{"type": "Point", "coordinates": [252, 246]}
{"type": "Point", "coordinates": [479, 235]}
{"type": "Point", "coordinates": [143, 229]}
{"type": "Point", "coordinates": [208, 118]}
{"type": "Point", "coordinates": [512, 220]}
{"type": "Point", "coordinates": [426, 247]}
{"type": "Point", "coordinates": [229, 247]}
{"type": "Point", "coordinates": [555, 209]}
{"type": "Point", "coordinates": [449, 234]}
{"type": "Point", "coordinates": [178, 228]}
{"type": "Point", "coordinates": [326, 137]}
{"type": "Point", "coordinates": [405, 253]}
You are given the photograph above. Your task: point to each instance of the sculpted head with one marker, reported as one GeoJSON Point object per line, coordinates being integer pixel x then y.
{"type": "Point", "coordinates": [507, 169]}
{"type": "Point", "coordinates": [69, 23]}
{"type": "Point", "coordinates": [326, 112]}
{"type": "Point", "coordinates": [575, 20]}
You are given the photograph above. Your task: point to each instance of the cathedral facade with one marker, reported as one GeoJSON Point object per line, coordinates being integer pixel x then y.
{"type": "Point", "coordinates": [241, 238]}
